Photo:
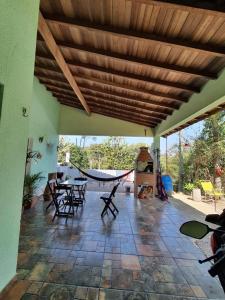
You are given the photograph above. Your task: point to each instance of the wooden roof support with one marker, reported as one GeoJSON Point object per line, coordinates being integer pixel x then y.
{"type": "Point", "coordinates": [128, 107]}
{"type": "Point", "coordinates": [120, 109]}
{"type": "Point", "coordinates": [120, 97]}
{"type": "Point", "coordinates": [128, 119]}
{"type": "Point", "coordinates": [108, 71]}
{"type": "Point", "coordinates": [114, 100]}
{"type": "Point", "coordinates": [127, 111]}
{"type": "Point", "coordinates": [136, 60]}
{"type": "Point", "coordinates": [55, 51]}
{"type": "Point", "coordinates": [134, 89]}
{"type": "Point", "coordinates": [142, 110]}
{"type": "Point", "coordinates": [205, 7]}
{"type": "Point", "coordinates": [117, 85]}
{"type": "Point", "coordinates": [197, 119]}
{"type": "Point", "coordinates": [135, 35]}
{"type": "Point", "coordinates": [103, 93]}
{"type": "Point", "coordinates": [114, 114]}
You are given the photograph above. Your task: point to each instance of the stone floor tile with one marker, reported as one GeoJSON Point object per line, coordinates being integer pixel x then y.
{"type": "Point", "coordinates": [108, 294]}
{"type": "Point", "coordinates": [81, 292]}
{"type": "Point", "coordinates": [92, 294]}
{"type": "Point", "coordinates": [139, 255]}
{"type": "Point", "coordinates": [35, 287]}
{"type": "Point", "coordinates": [130, 262]}
{"type": "Point", "coordinates": [56, 291]}
{"type": "Point", "coordinates": [40, 271]}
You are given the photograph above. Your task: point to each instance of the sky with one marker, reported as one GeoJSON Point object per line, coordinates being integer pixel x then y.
{"type": "Point", "coordinates": [188, 134]}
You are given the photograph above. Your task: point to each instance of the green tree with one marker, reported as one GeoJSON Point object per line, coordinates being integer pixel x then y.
{"type": "Point", "coordinates": [95, 156]}
{"type": "Point", "coordinates": [207, 149]}
{"type": "Point", "coordinates": [213, 134]}
{"type": "Point", "coordinates": [79, 157]}
{"type": "Point", "coordinates": [113, 153]}
{"type": "Point", "coordinates": [63, 148]}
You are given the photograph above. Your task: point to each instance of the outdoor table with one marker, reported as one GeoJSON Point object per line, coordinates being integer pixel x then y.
{"type": "Point", "coordinates": [77, 185]}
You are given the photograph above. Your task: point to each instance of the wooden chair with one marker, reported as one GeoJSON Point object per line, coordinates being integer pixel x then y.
{"type": "Point", "coordinates": [80, 191]}
{"type": "Point", "coordinates": [109, 205]}
{"type": "Point", "coordinates": [210, 191]}
{"type": "Point", "coordinates": [52, 184]}
{"type": "Point", "coordinates": [62, 199]}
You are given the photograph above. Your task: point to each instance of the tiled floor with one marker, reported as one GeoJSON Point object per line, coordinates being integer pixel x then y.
{"type": "Point", "coordinates": [139, 255]}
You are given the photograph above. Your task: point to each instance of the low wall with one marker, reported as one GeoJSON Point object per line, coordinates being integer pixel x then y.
{"type": "Point", "coordinates": [101, 186]}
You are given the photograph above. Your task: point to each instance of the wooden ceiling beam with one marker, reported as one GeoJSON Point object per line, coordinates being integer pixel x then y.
{"type": "Point", "coordinates": [134, 89]}
{"type": "Point", "coordinates": [56, 52]}
{"type": "Point", "coordinates": [130, 112]}
{"type": "Point", "coordinates": [126, 107]}
{"type": "Point", "coordinates": [206, 7]}
{"type": "Point", "coordinates": [112, 101]}
{"type": "Point", "coordinates": [142, 110]}
{"type": "Point", "coordinates": [114, 84]}
{"type": "Point", "coordinates": [116, 116]}
{"type": "Point", "coordinates": [130, 118]}
{"type": "Point", "coordinates": [130, 76]}
{"type": "Point", "coordinates": [140, 36]}
{"type": "Point", "coordinates": [136, 60]}
{"type": "Point", "coordinates": [139, 78]}
{"type": "Point", "coordinates": [118, 96]}
{"type": "Point", "coordinates": [71, 104]}
{"type": "Point", "coordinates": [38, 72]}
{"type": "Point", "coordinates": [57, 84]}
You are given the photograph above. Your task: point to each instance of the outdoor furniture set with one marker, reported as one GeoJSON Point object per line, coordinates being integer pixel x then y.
{"type": "Point", "coordinates": [67, 195]}
{"type": "Point", "coordinates": [71, 193]}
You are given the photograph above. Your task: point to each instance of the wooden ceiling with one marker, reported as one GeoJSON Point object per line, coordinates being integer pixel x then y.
{"type": "Point", "coordinates": [135, 60]}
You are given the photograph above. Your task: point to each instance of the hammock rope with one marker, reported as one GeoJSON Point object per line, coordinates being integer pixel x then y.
{"type": "Point", "coordinates": [102, 178]}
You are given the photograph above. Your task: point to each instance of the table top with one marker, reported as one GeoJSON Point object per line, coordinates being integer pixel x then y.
{"type": "Point", "coordinates": [75, 182]}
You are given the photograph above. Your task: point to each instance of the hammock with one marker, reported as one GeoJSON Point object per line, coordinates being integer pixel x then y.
{"type": "Point", "coordinates": [102, 178]}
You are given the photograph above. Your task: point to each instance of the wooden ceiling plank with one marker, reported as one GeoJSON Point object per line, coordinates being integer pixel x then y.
{"type": "Point", "coordinates": [125, 114]}
{"type": "Point", "coordinates": [131, 112]}
{"type": "Point", "coordinates": [118, 97]}
{"type": "Point", "coordinates": [117, 85]}
{"type": "Point", "coordinates": [55, 51]}
{"type": "Point", "coordinates": [135, 35]}
{"type": "Point", "coordinates": [141, 78]}
{"type": "Point", "coordinates": [113, 100]}
{"type": "Point", "coordinates": [126, 106]}
{"type": "Point", "coordinates": [141, 110]}
{"type": "Point", "coordinates": [105, 93]}
{"type": "Point", "coordinates": [103, 112]}
{"type": "Point", "coordinates": [208, 7]}
{"type": "Point", "coordinates": [126, 111]}
{"type": "Point", "coordinates": [134, 89]}
{"type": "Point", "coordinates": [109, 114]}
{"type": "Point", "coordinates": [136, 60]}
{"type": "Point", "coordinates": [121, 97]}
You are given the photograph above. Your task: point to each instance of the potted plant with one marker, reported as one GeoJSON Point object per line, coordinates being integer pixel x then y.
{"type": "Point", "coordinates": [30, 187]}
{"type": "Point", "coordinates": [194, 190]}
{"type": "Point", "coordinates": [188, 188]}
